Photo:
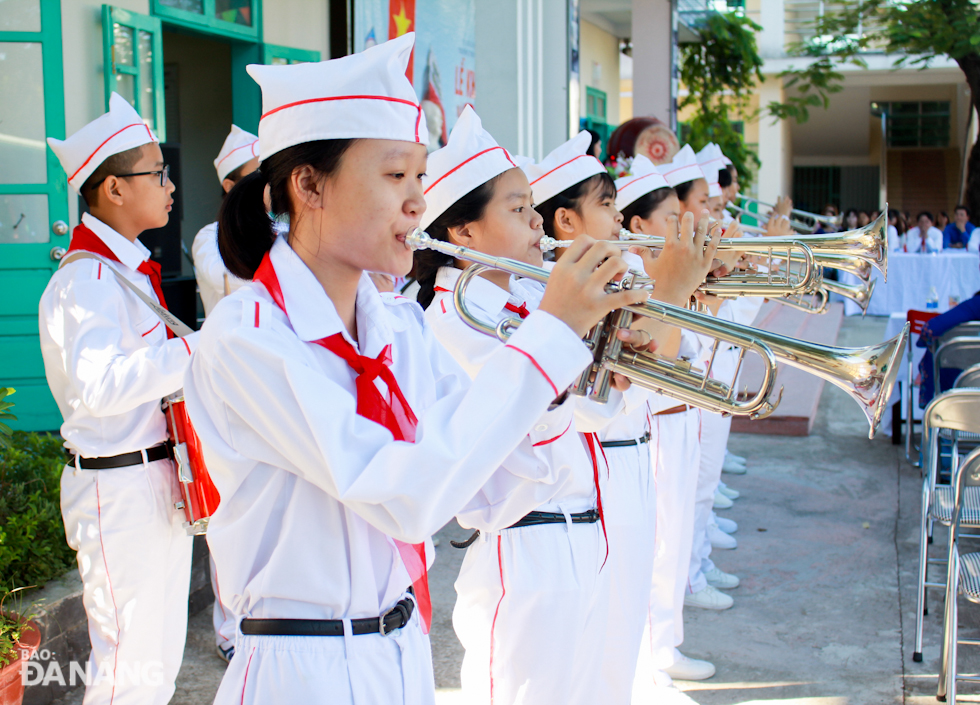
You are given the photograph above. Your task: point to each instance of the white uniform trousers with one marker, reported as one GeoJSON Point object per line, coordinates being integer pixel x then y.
{"type": "Point", "coordinates": [366, 669]}
{"type": "Point", "coordinates": [224, 620]}
{"type": "Point", "coordinates": [714, 439]}
{"type": "Point", "coordinates": [134, 557]}
{"type": "Point", "coordinates": [531, 615]}
{"type": "Point", "coordinates": [675, 448]}
{"type": "Point", "coordinates": [629, 500]}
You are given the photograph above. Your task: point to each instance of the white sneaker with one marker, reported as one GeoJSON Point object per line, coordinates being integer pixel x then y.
{"type": "Point", "coordinates": [718, 578]}
{"type": "Point", "coordinates": [709, 598]}
{"type": "Point", "coordinates": [722, 502]}
{"type": "Point", "coordinates": [732, 467]}
{"type": "Point", "coordinates": [686, 668]}
{"type": "Point", "coordinates": [719, 539]}
{"type": "Point", "coordinates": [672, 695]}
{"type": "Point", "coordinates": [735, 458]}
{"type": "Point", "coordinates": [726, 525]}
{"type": "Point", "coordinates": [729, 492]}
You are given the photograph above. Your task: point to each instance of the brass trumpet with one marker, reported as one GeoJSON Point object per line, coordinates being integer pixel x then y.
{"type": "Point", "coordinates": [833, 220]}
{"type": "Point", "coordinates": [867, 374]}
{"type": "Point", "coordinates": [764, 219]}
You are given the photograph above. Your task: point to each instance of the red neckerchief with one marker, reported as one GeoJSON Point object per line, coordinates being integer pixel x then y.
{"type": "Point", "coordinates": [82, 238]}
{"type": "Point", "coordinates": [519, 310]}
{"type": "Point", "coordinates": [593, 440]}
{"type": "Point", "coordinates": [394, 413]}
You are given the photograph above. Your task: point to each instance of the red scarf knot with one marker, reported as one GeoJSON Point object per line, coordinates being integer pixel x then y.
{"type": "Point", "coordinates": [519, 310]}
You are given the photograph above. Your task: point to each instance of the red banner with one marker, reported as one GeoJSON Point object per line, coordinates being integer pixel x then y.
{"type": "Point", "coordinates": [401, 19]}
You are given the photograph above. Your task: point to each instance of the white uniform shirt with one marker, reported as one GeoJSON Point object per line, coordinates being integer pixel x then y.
{"type": "Point", "coordinates": [106, 353]}
{"type": "Point", "coordinates": [210, 270]}
{"type": "Point", "coordinates": [312, 494]}
{"type": "Point", "coordinates": [555, 436]}
{"type": "Point", "coordinates": [934, 240]}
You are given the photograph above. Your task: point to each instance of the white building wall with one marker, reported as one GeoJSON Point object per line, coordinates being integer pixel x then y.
{"type": "Point", "coordinates": [652, 39]}
{"type": "Point", "coordinates": [522, 73]}
{"type": "Point", "coordinates": [302, 24]}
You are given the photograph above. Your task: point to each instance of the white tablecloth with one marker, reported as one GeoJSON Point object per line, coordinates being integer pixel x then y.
{"type": "Point", "coordinates": [910, 276]}
{"type": "Point", "coordinates": [895, 324]}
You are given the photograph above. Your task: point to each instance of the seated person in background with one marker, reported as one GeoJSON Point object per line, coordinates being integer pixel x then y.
{"type": "Point", "coordinates": [850, 220]}
{"type": "Point", "coordinates": [896, 236]}
{"type": "Point", "coordinates": [829, 210]}
{"type": "Point", "coordinates": [969, 310]}
{"type": "Point", "coordinates": [942, 220]}
{"type": "Point", "coordinates": [925, 237]}
{"type": "Point", "coordinates": [959, 233]}
{"type": "Point", "coordinates": [863, 218]}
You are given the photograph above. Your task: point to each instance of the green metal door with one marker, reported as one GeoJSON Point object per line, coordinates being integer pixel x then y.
{"type": "Point", "coordinates": [33, 196]}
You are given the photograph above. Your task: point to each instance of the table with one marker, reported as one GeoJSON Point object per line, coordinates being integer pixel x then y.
{"type": "Point", "coordinates": [896, 322]}
{"type": "Point", "coordinates": [910, 276]}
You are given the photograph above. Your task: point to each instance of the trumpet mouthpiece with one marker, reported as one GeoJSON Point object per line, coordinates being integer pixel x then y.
{"type": "Point", "coordinates": [549, 243]}
{"type": "Point", "coordinates": [417, 239]}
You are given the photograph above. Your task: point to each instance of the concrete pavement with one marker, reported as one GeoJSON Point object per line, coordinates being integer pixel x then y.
{"type": "Point", "coordinates": [827, 555]}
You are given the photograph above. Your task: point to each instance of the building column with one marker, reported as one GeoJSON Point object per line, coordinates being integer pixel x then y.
{"type": "Point", "coordinates": [772, 38]}
{"type": "Point", "coordinates": [775, 152]}
{"type": "Point", "coordinates": [522, 73]}
{"type": "Point", "coordinates": [653, 40]}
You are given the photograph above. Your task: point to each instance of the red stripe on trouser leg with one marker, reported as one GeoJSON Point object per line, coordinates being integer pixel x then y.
{"type": "Point", "coordinates": [493, 625]}
{"type": "Point", "coordinates": [115, 613]}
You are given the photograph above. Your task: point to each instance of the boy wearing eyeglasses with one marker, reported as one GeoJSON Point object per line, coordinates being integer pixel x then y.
{"type": "Point", "coordinates": [109, 360]}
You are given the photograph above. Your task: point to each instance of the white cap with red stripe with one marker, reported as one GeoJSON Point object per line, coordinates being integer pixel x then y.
{"type": "Point", "coordinates": [684, 168]}
{"type": "Point", "coordinates": [711, 161]}
{"type": "Point", "coordinates": [566, 166]}
{"type": "Point", "coordinates": [119, 129]}
{"type": "Point", "coordinates": [239, 148]}
{"type": "Point", "coordinates": [361, 96]}
{"type": "Point", "coordinates": [470, 159]}
{"type": "Point", "coordinates": [644, 178]}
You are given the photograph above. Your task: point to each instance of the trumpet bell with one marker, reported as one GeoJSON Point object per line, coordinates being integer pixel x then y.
{"type": "Point", "coordinates": [875, 371]}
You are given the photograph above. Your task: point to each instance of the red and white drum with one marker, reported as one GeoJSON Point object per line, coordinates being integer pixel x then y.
{"type": "Point", "coordinates": [199, 496]}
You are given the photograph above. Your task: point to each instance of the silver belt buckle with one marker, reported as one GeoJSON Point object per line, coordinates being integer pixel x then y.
{"type": "Point", "coordinates": [382, 618]}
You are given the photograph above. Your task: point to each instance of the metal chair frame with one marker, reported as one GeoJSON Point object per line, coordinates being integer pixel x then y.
{"type": "Point", "coordinates": [956, 411]}
{"type": "Point", "coordinates": [965, 476]}
{"type": "Point", "coordinates": [969, 377]}
{"type": "Point", "coordinates": [916, 319]}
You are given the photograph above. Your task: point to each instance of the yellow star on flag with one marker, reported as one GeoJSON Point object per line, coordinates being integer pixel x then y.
{"type": "Point", "coordinates": [402, 22]}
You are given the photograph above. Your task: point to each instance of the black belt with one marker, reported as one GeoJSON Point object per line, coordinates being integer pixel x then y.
{"type": "Point", "coordinates": [645, 438]}
{"type": "Point", "coordinates": [395, 618]}
{"type": "Point", "coordinates": [122, 460]}
{"type": "Point", "coordinates": [537, 519]}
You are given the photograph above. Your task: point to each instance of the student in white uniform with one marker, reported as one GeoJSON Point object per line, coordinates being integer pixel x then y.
{"type": "Point", "coordinates": [337, 430]}
{"type": "Point", "coordinates": [239, 157]}
{"type": "Point", "coordinates": [648, 206]}
{"type": "Point", "coordinates": [575, 195]}
{"type": "Point", "coordinates": [109, 361]}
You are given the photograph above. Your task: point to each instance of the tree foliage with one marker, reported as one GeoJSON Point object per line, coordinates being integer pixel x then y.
{"type": "Point", "coordinates": [720, 74]}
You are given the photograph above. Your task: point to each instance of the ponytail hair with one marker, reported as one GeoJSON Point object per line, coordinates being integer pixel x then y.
{"type": "Point", "coordinates": [572, 198]}
{"type": "Point", "coordinates": [468, 209]}
{"type": "Point", "coordinates": [245, 230]}
{"type": "Point", "coordinates": [646, 204]}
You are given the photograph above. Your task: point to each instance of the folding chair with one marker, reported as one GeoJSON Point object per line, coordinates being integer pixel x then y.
{"type": "Point", "coordinates": [955, 352]}
{"type": "Point", "coordinates": [916, 320]}
{"type": "Point", "coordinates": [962, 575]}
{"type": "Point", "coordinates": [968, 378]}
{"type": "Point", "coordinates": [957, 411]}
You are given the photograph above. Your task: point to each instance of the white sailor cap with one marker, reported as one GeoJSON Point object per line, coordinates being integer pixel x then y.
{"type": "Point", "coordinates": [645, 177]}
{"type": "Point", "coordinates": [239, 148]}
{"type": "Point", "coordinates": [364, 95]}
{"type": "Point", "coordinates": [567, 165]}
{"type": "Point", "coordinates": [470, 159]}
{"type": "Point", "coordinates": [711, 161]}
{"type": "Point", "coordinates": [684, 168]}
{"type": "Point", "coordinates": [119, 129]}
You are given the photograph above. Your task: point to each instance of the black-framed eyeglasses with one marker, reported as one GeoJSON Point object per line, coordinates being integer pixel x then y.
{"type": "Point", "coordinates": [164, 174]}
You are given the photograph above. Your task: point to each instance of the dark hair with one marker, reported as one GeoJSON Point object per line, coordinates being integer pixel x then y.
{"type": "Point", "coordinates": [596, 139]}
{"type": "Point", "coordinates": [646, 204]}
{"type": "Point", "coordinates": [119, 163]}
{"type": "Point", "coordinates": [927, 214]}
{"type": "Point", "coordinates": [245, 231]}
{"type": "Point", "coordinates": [468, 209]}
{"type": "Point", "coordinates": [724, 177]}
{"type": "Point", "coordinates": [234, 176]}
{"type": "Point", "coordinates": [683, 190]}
{"type": "Point", "coordinates": [571, 198]}
{"type": "Point", "coordinates": [961, 207]}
